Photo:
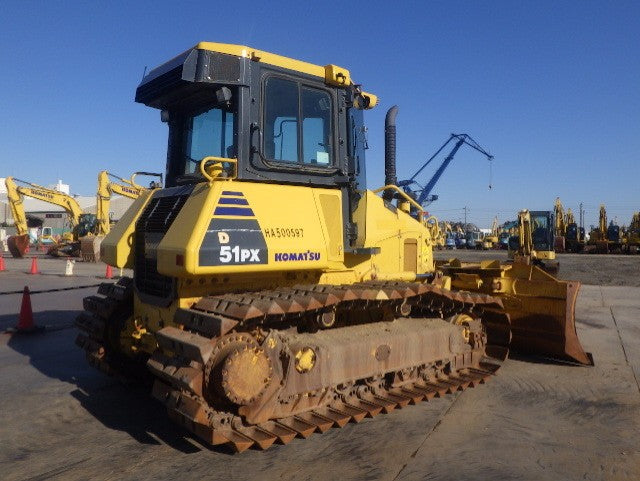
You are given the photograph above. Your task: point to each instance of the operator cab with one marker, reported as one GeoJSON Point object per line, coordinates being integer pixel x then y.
{"type": "Point", "coordinates": [284, 120]}
{"type": "Point", "coordinates": [275, 119]}
{"type": "Point", "coordinates": [613, 232]}
{"type": "Point", "coordinates": [541, 230]}
{"type": "Point", "coordinates": [201, 126]}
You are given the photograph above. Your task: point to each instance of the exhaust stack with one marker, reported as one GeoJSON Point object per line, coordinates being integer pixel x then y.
{"type": "Point", "coordinates": [390, 177]}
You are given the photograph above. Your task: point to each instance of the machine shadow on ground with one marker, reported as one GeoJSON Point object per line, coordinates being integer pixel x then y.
{"type": "Point", "coordinates": [118, 405]}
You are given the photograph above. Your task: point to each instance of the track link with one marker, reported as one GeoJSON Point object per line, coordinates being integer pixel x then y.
{"type": "Point", "coordinates": [179, 377]}
{"type": "Point", "coordinates": [192, 413]}
{"type": "Point", "coordinates": [98, 324]}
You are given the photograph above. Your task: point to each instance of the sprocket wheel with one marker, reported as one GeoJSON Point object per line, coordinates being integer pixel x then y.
{"type": "Point", "coordinates": [238, 370]}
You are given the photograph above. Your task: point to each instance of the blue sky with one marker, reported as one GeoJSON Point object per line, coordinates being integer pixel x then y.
{"type": "Point", "coordinates": [550, 88]}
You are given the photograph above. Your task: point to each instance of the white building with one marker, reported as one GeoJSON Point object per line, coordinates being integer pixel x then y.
{"type": "Point", "coordinates": [60, 187]}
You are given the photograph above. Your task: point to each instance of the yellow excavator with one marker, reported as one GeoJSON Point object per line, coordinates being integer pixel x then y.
{"type": "Point", "coordinates": [492, 239]}
{"type": "Point", "coordinates": [632, 235]}
{"type": "Point", "coordinates": [110, 184]}
{"type": "Point", "coordinates": [574, 237]}
{"type": "Point", "coordinates": [598, 236]}
{"type": "Point", "coordinates": [606, 237]}
{"type": "Point", "coordinates": [560, 227]}
{"type": "Point", "coordinates": [273, 295]}
{"type": "Point", "coordinates": [19, 243]}
{"type": "Point", "coordinates": [437, 234]}
{"type": "Point", "coordinates": [533, 245]}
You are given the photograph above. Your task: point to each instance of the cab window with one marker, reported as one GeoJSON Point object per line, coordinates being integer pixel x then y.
{"type": "Point", "coordinates": [209, 133]}
{"type": "Point", "coordinates": [298, 126]}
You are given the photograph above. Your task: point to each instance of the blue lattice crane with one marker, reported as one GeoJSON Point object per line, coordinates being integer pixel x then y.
{"type": "Point", "coordinates": [423, 194]}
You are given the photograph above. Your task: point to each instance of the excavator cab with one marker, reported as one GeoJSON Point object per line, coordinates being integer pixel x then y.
{"type": "Point", "coordinates": [575, 237]}
{"type": "Point", "coordinates": [86, 225]}
{"type": "Point", "coordinates": [542, 230]}
{"type": "Point", "coordinates": [613, 232]}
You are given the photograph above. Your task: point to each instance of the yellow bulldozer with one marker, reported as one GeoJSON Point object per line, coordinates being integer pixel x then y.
{"type": "Point", "coordinates": [273, 295]}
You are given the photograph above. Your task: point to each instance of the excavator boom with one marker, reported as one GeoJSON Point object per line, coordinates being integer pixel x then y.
{"type": "Point", "coordinates": [19, 243]}
{"type": "Point", "coordinates": [110, 184]}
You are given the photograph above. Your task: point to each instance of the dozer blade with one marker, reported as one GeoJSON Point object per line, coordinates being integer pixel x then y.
{"type": "Point", "coordinates": [18, 245]}
{"type": "Point", "coordinates": [542, 312]}
{"type": "Point", "coordinates": [541, 308]}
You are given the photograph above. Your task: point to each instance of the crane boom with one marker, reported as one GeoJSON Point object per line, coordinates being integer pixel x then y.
{"type": "Point", "coordinates": [423, 194]}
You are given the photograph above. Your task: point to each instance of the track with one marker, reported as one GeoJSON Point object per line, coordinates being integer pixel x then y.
{"type": "Point", "coordinates": [215, 325]}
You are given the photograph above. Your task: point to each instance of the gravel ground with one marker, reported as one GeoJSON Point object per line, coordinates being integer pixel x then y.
{"type": "Point", "coordinates": [536, 420]}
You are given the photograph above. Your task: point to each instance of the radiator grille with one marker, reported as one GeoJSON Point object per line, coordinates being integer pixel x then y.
{"type": "Point", "coordinates": [150, 229]}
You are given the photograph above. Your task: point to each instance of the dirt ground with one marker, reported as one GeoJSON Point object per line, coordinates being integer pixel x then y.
{"type": "Point", "coordinates": [535, 420]}
{"type": "Point", "coordinates": [606, 270]}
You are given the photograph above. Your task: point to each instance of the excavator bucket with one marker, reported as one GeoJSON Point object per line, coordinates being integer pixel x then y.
{"type": "Point", "coordinates": [18, 245]}
{"type": "Point", "coordinates": [90, 248]}
{"type": "Point", "coordinates": [541, 307]}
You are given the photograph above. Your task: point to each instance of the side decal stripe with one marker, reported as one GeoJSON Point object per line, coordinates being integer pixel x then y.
{"type": "Point", "coordinates": [239, 211]}
{"type": "Point", "coordinates": [232, 192]}
{"type": "Point", "coordinates": [232, 201]}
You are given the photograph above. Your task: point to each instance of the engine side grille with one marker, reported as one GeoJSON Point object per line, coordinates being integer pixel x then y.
{"type": "Point", "coordinates": [153, 223]}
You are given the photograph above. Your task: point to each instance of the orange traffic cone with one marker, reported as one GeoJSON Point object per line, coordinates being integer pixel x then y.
{"type": "Point", "coordinates": [2, 267]}
{"type": "Point", "coordinates": [25, 321]}
{"type": "Point", "coordinates": [109, 273]}
{"type": "Point", "coordinates": [34, 266]}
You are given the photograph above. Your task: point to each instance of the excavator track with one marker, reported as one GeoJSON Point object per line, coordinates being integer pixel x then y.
{"type": "Point", "coordinates": [228, 335]}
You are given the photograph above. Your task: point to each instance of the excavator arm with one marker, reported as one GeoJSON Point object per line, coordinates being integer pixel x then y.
{"type": "Point", "coordinates": [19, 243]}
{"type": "Point", "coordinates": [602, 222]}
{"type": "Point", "coordinates": [16, 205]}
{"type": "Point", "coordinates": [110, 184]}
{"type": "Point", "coordinates": [525, 233]}
{"type": "Point", "coordinates": [106, 188]}
{"type": "Point", "coordinates": [569, 218]}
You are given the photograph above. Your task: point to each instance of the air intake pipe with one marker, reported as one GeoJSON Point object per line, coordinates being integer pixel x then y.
{"type": "Point", "coordinates": [390, 177]}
